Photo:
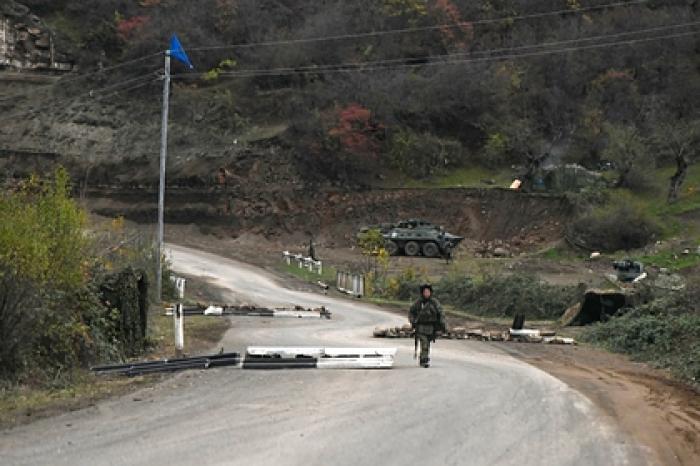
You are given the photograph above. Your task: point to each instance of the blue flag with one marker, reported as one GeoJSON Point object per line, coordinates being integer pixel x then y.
{"type": "Point", "coordinates": [178, 53]}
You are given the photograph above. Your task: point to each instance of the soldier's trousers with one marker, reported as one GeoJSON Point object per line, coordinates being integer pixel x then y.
{"type": "Point", "coordinates": [424, 341]}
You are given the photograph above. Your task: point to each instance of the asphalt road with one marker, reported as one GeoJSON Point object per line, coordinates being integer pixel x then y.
{"type": "Point", "coordinates": [475, 406]}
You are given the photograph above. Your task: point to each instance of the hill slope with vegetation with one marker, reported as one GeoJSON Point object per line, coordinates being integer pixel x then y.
{"type": "Point", "coordinates": [343, 91]}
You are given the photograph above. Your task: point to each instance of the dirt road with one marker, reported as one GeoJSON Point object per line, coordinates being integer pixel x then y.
{"type": "Point", "coordinates": [476, 405]}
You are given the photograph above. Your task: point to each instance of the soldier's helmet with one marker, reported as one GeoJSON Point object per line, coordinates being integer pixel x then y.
{"type": "Point", "coordinates": [426, 286]}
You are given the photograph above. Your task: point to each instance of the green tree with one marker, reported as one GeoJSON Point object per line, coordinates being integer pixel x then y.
{"type": "Point", "coordinates": [42, 266]}
{"type": "Point", "coordinates": [371, 242]}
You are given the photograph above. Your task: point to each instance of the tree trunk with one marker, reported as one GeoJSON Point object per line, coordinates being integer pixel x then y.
{"type": "Point", "coordinates": [677, 178]}
{"type": "Point", "coordinates": [623, 176]}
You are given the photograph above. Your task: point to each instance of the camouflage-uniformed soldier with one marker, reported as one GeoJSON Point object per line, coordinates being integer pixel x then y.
{"type": "Point", "coordinates": [427, 319]}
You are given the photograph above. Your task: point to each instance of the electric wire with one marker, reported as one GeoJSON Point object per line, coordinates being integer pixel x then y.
{"type": "Point", "coordinates": [423, 59]}
{"type": "Point", "coordinates": [460, 24]}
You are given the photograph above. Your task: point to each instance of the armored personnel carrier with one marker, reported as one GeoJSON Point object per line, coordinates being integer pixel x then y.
{"type": "Point", "coordinates": [416, 237]}
{"type": "Point", "coordinates": [628, 270]}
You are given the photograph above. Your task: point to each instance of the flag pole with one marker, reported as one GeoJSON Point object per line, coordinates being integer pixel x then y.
{"type": "Point", "coordinates": [161, 188]}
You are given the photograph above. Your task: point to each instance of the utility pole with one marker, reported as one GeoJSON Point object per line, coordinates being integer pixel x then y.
{"type": "Point", "coordinates": [161, 188]}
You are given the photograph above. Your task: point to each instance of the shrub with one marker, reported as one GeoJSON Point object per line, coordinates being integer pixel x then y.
{"type": "Point", "coordinates": [405, 285]}
{"type": "Point", "coordinates": [495, 295]}
{"type": "Point", "coordinates": [665, 332]}
{"type": "Point", "coordinates": [421, 155]}
{"type": "Point", "coordinates": [613, 229]}
{"type": "Point", "coordinates": [42, 253]}
{"type": "Point", "coordinates": [50, 307]}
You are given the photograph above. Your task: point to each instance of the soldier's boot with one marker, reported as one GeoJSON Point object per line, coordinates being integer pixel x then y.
{"type": "Point", "coordinates": [425, 362]}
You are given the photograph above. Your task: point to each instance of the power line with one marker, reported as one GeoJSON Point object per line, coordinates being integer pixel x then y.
{"type": "Point", "coordinates": [138, 82]}
{"type": "Point", "coordinates": [439, 60]}
{"type": "Point", "coordinates": [128, 89]}
{"type": "Point", "coordinates": [349, 65]}
{"type": "Point", "coordinates": [340, 37]}
{"type": "Point", "coordinates": [461, 24]}
{"type": "Point", "coordinates": [81, 76]}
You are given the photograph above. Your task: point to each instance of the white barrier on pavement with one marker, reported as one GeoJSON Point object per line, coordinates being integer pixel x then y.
{"type": "Point", "coordinates": [326, 358]}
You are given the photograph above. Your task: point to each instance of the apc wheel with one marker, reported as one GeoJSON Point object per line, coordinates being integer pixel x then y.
{"type": "Point", "coordinates": [391, 247]}
{"type": "Point", "coordinates": [431, 250]}
{"type": "Point", "coordinates": [411, 248]}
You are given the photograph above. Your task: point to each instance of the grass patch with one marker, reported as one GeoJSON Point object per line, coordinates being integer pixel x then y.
{"type": "Point", "coordinates": [328, 275]}
{"type": "Point", "coordinates": [467, 177]}
{"type": "Point", "coordinates": [653, 201]}
{"type": "Point", "coordinates": [672, 260]}
{"type": "Point", "coordinates": [22, 404]}
{"type": "Point", "coordinates": [561, 253]}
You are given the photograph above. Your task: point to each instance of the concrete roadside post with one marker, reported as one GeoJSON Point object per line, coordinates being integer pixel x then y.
{"type": "Point", "coordinates": [181, 288]}
{"type": "Point", "coordinates": [179, 329]}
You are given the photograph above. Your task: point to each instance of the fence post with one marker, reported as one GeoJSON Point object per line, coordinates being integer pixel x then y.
{"type": "Point", "coordinates": [181, 288]}
{"type": "Point", "coordinates": [179, 322]}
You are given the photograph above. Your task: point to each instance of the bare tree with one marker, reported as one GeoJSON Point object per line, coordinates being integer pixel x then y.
{"type": "Point", "coordinates": [680, 141]}
{"type": "Point", "coordinates": [628, 150]}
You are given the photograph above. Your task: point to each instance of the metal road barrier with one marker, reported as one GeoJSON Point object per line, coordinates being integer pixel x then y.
{"type": "Point", "coordinates": [350, 283]}
{"type": "Point", "coordinates": [297, 312]}
{"type": "Point", "coordinates": [169, 365]}
{"type": "Point", "coordinates": [302, 262]}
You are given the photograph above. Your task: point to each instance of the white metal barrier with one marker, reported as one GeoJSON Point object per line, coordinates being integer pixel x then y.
{"type": "Point", "coordinates": [350, 283]}
{"type": "Point", "coordinates": [303, 262]}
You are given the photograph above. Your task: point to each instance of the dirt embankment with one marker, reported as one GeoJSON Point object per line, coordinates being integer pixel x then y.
{"type": "Point", "coordinates": [333, 217]}
{"type": "Point", "coordinates": [656, 411]}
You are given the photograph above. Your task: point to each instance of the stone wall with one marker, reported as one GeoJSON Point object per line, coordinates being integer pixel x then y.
{"type": "Point", "coordinates": [26, 43]}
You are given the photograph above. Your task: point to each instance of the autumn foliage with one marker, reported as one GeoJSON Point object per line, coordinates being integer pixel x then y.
{"type": "Point", "coordinates": [357, 131]}
{"type": "Point", "coordinates": [460, 33]}
{"type": "Point", "coordinates": [126, 28]}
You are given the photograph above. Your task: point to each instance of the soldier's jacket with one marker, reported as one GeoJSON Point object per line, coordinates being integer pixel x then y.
{"type": "Point", "coordinates": [427, 316]}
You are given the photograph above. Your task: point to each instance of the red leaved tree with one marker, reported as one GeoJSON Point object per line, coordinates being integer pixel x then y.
{"type": "Point", "coordinates": [459, 35]}
{"type": "Point", "coordinates": [127, 28]}
{"type": "Point", "coordinates": [357, 131]}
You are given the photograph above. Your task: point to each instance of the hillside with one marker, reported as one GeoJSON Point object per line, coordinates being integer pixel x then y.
{"type": "Point", "coordinates": [502, 82]}
{"type": "Point", "coordinates": [293, 102]}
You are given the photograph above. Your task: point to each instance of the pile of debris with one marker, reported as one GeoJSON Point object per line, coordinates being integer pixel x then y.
{"type": "Point", "coordinates": [480, 334]}
{"type": "Point", "coordinates": [252, 311]}
{"type": "Point", "coordinates": [453, 333]}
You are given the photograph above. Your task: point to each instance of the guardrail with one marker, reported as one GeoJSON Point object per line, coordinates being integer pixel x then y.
{"type": "Point", "coordinates": [302, 262]}
{"type": "Point", "coordinates": [350, 283]}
